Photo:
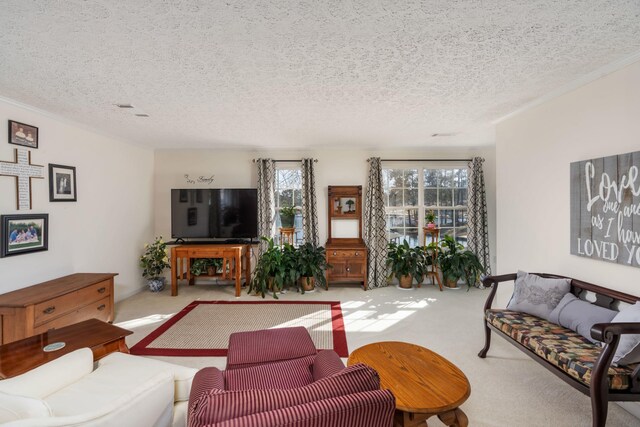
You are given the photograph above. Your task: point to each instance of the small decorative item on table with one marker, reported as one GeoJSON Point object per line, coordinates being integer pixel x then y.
{"type": "Point", "coordinates": [154, 261]}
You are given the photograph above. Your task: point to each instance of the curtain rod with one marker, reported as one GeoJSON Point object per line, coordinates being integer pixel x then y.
{"type": "Point", "coordinates": [288, 161]}
{"type": "Point", "coordinates": [424, 160]}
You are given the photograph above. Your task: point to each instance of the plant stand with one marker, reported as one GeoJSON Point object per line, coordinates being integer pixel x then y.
{"type": "Point", "coordinates": [435, 236]}
{"type": "Point", "coordinates": [286, 235]}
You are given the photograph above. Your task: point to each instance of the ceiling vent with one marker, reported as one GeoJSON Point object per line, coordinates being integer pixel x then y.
{"type": "Point", "coordinates": [440, 135]}
{"type": "Point", "coordinates": [142, 115]}
{"type": "Point", "coordinates": [124, 105]}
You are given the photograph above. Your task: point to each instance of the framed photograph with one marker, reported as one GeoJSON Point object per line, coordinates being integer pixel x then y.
{"type": "Point", "coordinates": [23, 134]}
{"type": "Point", "coordinates": [22, 234]}
{"type": "Point", "coordinates": [62, 183]}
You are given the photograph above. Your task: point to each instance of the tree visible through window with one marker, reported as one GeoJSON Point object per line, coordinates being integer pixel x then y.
{"type": "Point", "coordinates": [412, 192]}
{"type": "Point", "coordinates": [288, 193]}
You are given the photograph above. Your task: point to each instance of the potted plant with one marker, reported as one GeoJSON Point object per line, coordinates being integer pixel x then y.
{"type": "Point", "coordinates": [311, 264]}
{"type": "Point", "coordinates": [400, 263]}
{"type": "Point", "coordinates": [430, 217]}
{"type": "Point", "coordinates": [421, 261]}
{"type": "Point", "coordinates": [269, 274]}
{"type": "Point", "coordinates": [287, 216]}
{"type": "Point", "coordinates": [200, 266]}
{"type": "Point", "coordinates": [456, 263]}
{"type": "Point", "coordinates": [289, 265]}
{"type": "Point", "coordinates": [153, 262]}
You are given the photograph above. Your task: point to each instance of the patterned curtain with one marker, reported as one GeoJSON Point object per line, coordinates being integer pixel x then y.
{"type": "Point", "coordinates": [478, 238]}
{"type": "Point", "coordinates": [266, 206]}
{"type": "Point", "coordinates": [375, 227]}
{"type": "Point", "coordinates": [309, 204]}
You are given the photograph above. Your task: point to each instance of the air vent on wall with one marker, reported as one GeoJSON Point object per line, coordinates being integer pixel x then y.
{"type": "Point", "coordinates": [438, 135]}
{"type": "Point", "coordinates": [124, 105]}
{"type": "Point", "coordinates": [142, 115]}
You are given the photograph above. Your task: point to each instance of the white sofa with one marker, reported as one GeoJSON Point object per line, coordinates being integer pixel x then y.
{"type": "Point", "coordinates": [123, 390]}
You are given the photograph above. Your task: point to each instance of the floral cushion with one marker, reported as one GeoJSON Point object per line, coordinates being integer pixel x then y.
{"type": "Point", "coordinates": [560, 346]}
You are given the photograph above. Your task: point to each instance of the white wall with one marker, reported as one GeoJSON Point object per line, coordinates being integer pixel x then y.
{"type": "Point", "coordinates": [105, 230]}
{"type": "Point", "coordinates": [533, 153]}
{"type": "Point", "coordinates": [335, 167]}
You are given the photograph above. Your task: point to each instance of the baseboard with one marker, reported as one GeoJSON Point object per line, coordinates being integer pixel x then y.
{"type": "Point", "coordinates": [130, 293]}
{"type": "Point", "coordinates": [631, 407]}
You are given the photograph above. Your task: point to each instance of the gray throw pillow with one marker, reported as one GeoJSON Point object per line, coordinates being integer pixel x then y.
{"type": "Point", "coordinates": [536, 295]}
{"type": "Point", "coordinates": [579, 315]}
{"type": "Point", "coordinates": [628, 350]}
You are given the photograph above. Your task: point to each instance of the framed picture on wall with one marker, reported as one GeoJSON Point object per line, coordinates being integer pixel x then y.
{"type": "Point", "coordinates": [62, 183]}
{"type": "Point", "coordinates": [23, 234]}
{"type": "Point", "coordinates": [23, 134]}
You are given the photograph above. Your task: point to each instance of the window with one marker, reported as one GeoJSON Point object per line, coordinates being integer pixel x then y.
{"type": "Point", "coordinates": [288, 193]}
{"type": "Point", "coordinates": [412, 192]}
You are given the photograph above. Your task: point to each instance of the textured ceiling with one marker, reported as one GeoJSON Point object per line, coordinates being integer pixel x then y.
{"type": "Point", "coordinates": [259, 74]}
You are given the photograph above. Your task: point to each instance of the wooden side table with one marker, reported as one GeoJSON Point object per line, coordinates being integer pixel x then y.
{"type": "Point", "coordinates": [424, 383]}
{"type": "Point", "coordinates": [23, 355]}
{"type": "Point", "coordinates": [435, 237]}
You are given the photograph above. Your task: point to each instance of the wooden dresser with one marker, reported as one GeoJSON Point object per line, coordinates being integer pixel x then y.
{"type": "Point", "coordinates": [345, 249]}
{"type": "Point", "coordinates": [54, 304]}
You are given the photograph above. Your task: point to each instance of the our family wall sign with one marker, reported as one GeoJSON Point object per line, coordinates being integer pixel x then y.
{"type": "Point", "coordinates": [605, 208]}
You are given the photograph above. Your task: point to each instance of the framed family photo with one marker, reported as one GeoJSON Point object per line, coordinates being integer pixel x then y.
{"type": "Point", "coordinates": [23, 134]}
{"type": "Point", "coordinates": [23, 234]}
{"type": "Point", "coordinates": [62, 183]}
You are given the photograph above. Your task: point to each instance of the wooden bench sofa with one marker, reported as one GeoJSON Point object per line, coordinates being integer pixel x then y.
{"type": "Point", "coordinates": [582, 364]}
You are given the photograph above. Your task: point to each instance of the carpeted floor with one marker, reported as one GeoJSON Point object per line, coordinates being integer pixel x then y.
{"type": "Point", "coordinates": [203, 328]}
{"type": "Point", "coordinates": [507, 388]}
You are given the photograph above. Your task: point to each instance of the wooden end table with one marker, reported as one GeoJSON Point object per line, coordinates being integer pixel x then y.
{"type": "Point", "coordinates": [23, 355]}
{"type": "Point", "coordinates": [424, 383]}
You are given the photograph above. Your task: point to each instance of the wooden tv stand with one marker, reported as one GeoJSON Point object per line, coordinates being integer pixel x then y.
{"type": "Point", "coordinates": [231, 254]}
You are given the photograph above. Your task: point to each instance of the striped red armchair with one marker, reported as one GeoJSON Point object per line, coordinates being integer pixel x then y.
{"type": "Point", "coordinates": [276, 377]}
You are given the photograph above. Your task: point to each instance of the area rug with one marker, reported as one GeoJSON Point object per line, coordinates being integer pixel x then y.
{"type": "Point", "coordinates": [203, 327]}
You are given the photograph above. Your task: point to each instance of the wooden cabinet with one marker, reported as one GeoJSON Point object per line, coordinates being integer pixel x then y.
{"type": "Point", "coordinates": [56, 303]}
{"type": "Point", "coordinates": [349, 264]}
{"type": "Point", "coordinates": [346, 250]}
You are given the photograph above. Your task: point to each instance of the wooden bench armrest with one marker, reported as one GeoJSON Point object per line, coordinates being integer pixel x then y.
{"type": "Point", "coordinates": [492, 282]}
{"type": "Point", "coordinates": [605, 331]}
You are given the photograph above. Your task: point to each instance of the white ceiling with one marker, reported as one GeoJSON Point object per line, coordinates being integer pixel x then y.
{"type": "Point", "coordinates": [309, 74]}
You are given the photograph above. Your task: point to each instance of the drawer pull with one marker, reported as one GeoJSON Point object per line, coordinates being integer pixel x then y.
{"type": "Point", "coordinates": [335, 253]}
{"type": "Point", "coordinates": [49, 310]}
{"type": "Point", "coordinates": [348, 269]}
{"type": "Point", "coordinates": [101, 307]}
{"type": "Point", "coordinates": [357, 253]}
{"type": "Point", "coordinates": [102, 290]}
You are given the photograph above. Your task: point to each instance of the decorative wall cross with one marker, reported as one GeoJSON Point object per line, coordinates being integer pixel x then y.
{"type": "Point", "coordinates": [23, 171]}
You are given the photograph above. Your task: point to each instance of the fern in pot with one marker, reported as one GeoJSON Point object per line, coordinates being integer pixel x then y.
{"type": "Point", "coordinates": [153, 261]}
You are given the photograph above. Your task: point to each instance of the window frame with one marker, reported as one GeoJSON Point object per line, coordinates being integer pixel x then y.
{"type": "Point", "coordinates": [276, 202]}
{"type": "Point", "coordinates": [422, 209]}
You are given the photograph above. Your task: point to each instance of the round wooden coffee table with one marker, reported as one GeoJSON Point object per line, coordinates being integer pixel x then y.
{"type": "Point", "coordinates": [424, 383]}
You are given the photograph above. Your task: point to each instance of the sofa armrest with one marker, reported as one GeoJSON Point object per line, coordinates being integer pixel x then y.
{"type": "Point", "coordinates": [492, 282]}
{"type": "Point", "coordinates": [44, 380]}
{"type": "Point", "coordinates": [206, 380]}
{"type": "Point", "coordinates": [326, 363]}
{"type": "Point", "coordinates": [268, 345]}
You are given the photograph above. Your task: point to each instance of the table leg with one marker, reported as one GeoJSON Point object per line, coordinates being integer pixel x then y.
{"type": "Point", "coordinates": [174, 273]}
{"type": "Point", "coordinates": [454, 418]}
{"type": "Point", "coordinates": [237, 260]}
{"type": "Point", "coordinates": [409, 419]}
{"type": "Point", "coordinates": [247, 265]}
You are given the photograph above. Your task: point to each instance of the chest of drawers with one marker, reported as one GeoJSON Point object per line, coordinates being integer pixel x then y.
{"type": "Point", "coordinates": [56, 303]}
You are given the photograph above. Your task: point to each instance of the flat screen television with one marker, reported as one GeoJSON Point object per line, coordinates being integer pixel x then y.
{"type": "Point", "coordinates": [230, 213]}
